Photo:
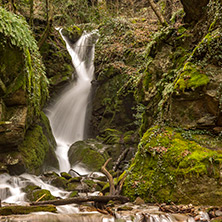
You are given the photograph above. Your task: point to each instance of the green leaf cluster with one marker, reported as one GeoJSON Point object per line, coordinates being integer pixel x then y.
{"type": "Point", "coordinates": [18, 34]}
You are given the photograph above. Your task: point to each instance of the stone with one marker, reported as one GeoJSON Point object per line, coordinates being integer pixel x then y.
{"type": "Point", "coordinates": [66, 175]}
{"type": "Point", "coordinates": [13, 131]}
{"type": "Point", "coordinates": [90, 153]}
{"type": "Point", "coordinates": [218, 213]}
{"type": "Point", "coordinates": [60, 182]}
{"type": "Point", "coordinates": [139, 201]}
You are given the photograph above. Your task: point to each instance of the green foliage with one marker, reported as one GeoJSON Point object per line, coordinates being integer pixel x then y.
{"type": "Point", "coordinates": [75, 12]}
{"type": "Point", "coordinates": [15, 30]}
{"type": "Point", "coordinates": [191, 77]}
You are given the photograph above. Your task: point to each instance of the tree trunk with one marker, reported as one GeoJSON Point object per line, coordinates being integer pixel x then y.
{"type": "Point", "coordinates": [31, 13]}
{"type": "Point", "coordinates": [49, 16]}
{"type": "Point", "coordinates": [78, 200]}
{"type": "Point", "coordinates": [157, 12]}
{"type": "Point", "coordinates": [13, 8]}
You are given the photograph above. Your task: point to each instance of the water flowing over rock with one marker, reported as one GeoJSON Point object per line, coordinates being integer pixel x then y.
{"type": "Point", "coordinates": [68, 115]}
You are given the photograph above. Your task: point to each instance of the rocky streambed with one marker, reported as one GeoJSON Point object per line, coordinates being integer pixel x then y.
{"type": "Point", "coordinates": [74, 197]}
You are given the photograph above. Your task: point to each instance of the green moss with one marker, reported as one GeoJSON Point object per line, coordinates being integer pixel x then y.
{"type": "Point", "coordinates": [72, 32]}
{"type": "Point", "coordinates": [39, 193]}
{"type": "Point", "coordinates": [59, 182]}
{"type": "Point", "coordinates": [74, 179]}
{"type": "Point", "coordinates": [162, 158]}
{"type": "Point", "coordinates": [87, 153]}
{"type": "Point", "coordinates": [9, 210]}
{"type": "Point", "coordinates": [74, 194]}
{"type": "Point", "coordinates": [66, 175]}
{"type": "Point", "coordinates": [157, 41]}
{"type": "Point", "coordinates": [90, 183]}
{"type": "Point", "coordinates": [72, 186]}
{"type": "Point", "coordinates": [110, 136]}
{"type": "Point", "coordinates": [216, 220]}
{"type": "Point", "coordinates": [34, 148]}
{"type": "Point", "coordinates": [191, 77]}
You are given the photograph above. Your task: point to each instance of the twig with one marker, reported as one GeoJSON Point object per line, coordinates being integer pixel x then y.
{"type": "Point", "coordinates": [40, 198]}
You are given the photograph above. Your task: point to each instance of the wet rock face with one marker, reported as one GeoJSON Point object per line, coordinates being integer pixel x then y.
{"type": "Point", "coordinates": [12, 132]}
{"type": "Point", "coordinates": [13, 106]}
{"type": "Point", "coordinates": [30, 151]}
{"type": "Point", "coordinates": [200, 107]}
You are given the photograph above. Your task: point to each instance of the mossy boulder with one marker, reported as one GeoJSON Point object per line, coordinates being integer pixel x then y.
{"type": "Point", "coordinates": [90, 153]}
{"type": "Point", "coordinates": [34, 148]}
{"type": "Point", "coordinates": [38, 148]}
{"type": "Point", "coordinates": [176, 165]}
{"type": "Point", "coordinates": [66, 175]}
{"type": "Point", "coordinates": [33, 193]}
{"type": "Point", "coordinates": [35, 153]}
{"type": "Point", "coordinates": [60, 182]}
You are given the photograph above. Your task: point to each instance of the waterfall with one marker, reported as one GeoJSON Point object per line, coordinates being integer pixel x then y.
{"type": "Point", "coordinates": [67, 117]}
{"type": "Point", "coordinates": [68, 114]}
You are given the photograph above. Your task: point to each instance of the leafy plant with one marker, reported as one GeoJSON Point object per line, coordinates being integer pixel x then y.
{"type": "Point", "coordinates": [16, 31]}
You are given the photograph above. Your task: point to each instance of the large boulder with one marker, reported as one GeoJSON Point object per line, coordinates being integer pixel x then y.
{"type": "Point", "coordinates": [172, 165]}
{"type": "Point", "coordinates": [90, 153]}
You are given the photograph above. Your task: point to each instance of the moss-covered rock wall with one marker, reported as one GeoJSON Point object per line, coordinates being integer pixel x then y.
{"type": "Point", "coordinates": [179, 160]}
{"type": "Point", "coordinates": [24, 91]}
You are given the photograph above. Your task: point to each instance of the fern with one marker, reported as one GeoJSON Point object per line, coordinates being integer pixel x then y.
{"type": "Point", "coordinates": [17, 31]}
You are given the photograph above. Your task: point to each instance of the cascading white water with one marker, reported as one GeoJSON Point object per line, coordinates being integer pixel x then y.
{"type": "Point", "coordinates": [67, 117]}
{"type": "Point", "coordinates": [68, 114]}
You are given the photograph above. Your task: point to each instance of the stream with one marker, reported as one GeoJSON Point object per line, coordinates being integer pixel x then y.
{"type": "Point", "coordinates": [68, 120]}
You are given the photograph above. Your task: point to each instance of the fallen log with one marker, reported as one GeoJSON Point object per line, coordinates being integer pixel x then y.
{"type": "Point", "coordinates": [9, 210]}
{"type": "Point", "coordinates": [78, 200]}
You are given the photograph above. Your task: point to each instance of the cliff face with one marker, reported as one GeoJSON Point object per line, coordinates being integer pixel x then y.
{"type": "Point", "coordinates": [166, 87]}
{"type": "Point", "coordinates": [181, 89]}
{"type": "Point", "coordinates": [24, 90]}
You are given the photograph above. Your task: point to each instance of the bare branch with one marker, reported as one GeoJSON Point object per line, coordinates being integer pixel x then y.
{"type": "Point", "coordinates": [110, 178]}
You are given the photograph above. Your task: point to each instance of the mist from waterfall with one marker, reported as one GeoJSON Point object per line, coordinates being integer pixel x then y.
{"type": "Point", "coordinates": [67, 116]}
